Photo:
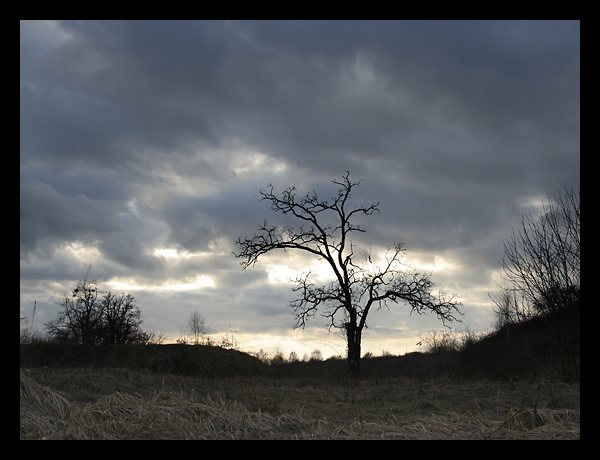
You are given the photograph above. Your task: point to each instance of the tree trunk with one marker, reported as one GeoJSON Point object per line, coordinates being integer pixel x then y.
{"type": "Point", "coordinates": [353, 336]}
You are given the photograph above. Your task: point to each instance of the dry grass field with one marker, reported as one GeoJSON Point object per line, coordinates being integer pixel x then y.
{"type": "Point", "coordinates": [117, 403]}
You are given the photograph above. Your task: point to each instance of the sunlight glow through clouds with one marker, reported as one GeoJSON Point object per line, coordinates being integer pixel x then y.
{"type": "Point", "coordinates": [170, 253]}
{"type": "Point", "coordinates": [82, 251]}
{"type": "Point", "coordinates": [285, 273]}
{"type": "Point", "coordinates": [532, 203]}
{"type": "Point", "coordinates": [202, 281]}
{"type": "Point", "coordinates": [247, 162]}
{"type": "Point", "coordinates": [412, 261]}
{"type": "Point", "coordinates": [439, 264]}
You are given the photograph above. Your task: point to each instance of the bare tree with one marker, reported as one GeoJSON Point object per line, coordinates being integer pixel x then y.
{"type": "Point", "coordinates": [324, 232]}
{"type": "Point", "coordinates": [87, 319]}
{"type": "Point", "coordinates": [542, 261]}
{"type": "Point", "coordinates": [121, 320]}
{"type": "Point", "coordinates": [80, 317]}
{"type": "Point", "coordinates": [231, 338]}
{"type": "Point", "coordinates": [316, 355]}
{"type": "Point", "coordinates": [197, 328]}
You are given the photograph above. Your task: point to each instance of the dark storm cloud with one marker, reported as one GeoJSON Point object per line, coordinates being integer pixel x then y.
{"type": "Point", "coordinates": [318, 94]}
{"type": "Point", "coordinates": [138, 136]}
{"type": "Point", "coordinates": [410, 87]}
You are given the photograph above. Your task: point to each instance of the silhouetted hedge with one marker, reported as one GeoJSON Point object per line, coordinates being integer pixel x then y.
{"type": "Point", "coordinates": [181, 359]}
{"type": "Point", "coordinates": [533, 349]}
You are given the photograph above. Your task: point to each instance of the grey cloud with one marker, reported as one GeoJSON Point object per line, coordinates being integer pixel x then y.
{"type": "Point", "coordinates": [45, 213]}
{"type": "Point", "coordinates": [126, 249]}
{"type": "Point", "coordinates": [191, 229]}
{"type": "Point", "coordinates": [294, 89]}
{"type": "Point", "coordinates": [138, 135]}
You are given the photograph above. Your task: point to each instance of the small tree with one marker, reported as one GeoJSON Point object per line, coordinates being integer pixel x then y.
{"type": "Point", "coordinates": [89, 319]}
{"type": "Point", "coordinates": [325, 229]}
{"type": "Point", "coordinates": [278, 356]}
{"type": "Point", "coordinates": [80, 317]}
{"type": "Point", "coordinates": [121, 320]}
{"type": "Point", "coordinates": [231, 339]}
{"type": "Point", "coordinates": [262, 355]}
{"type": "Point", "coordinates": [197, 328]}
{"type": "Point", "coordinates": [316, 355]}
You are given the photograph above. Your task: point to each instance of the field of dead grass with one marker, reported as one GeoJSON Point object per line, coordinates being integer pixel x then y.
{"type": "Point", "coordinates": [83, 403]}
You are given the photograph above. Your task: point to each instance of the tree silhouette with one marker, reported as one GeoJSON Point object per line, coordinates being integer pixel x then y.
{"type": "Point", "coordinates": [324, 232]}
{"type": "Point", "coordinates": [80, 317]}
{"type": "Point", "coordinates": [86, 318]}
{"type": "Point", "coordinates": [542, 263]}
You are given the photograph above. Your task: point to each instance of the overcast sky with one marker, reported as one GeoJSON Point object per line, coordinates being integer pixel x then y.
{"type": "Point", "coordinates": [143, 147]}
